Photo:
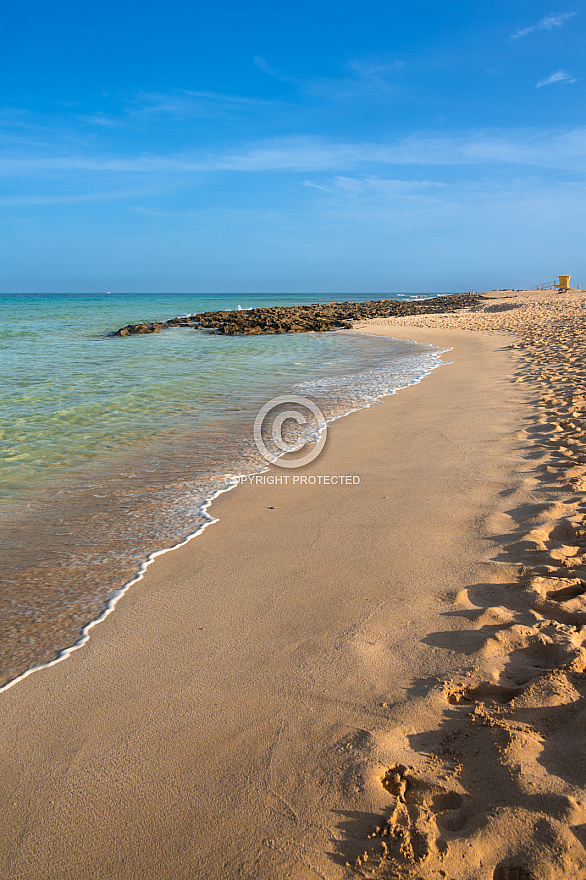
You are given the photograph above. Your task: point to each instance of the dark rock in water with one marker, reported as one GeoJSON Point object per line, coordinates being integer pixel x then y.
{"type": "Point", "coordinates": [136, 329]}
{"type": "Point", "coordinates": [303, 319]}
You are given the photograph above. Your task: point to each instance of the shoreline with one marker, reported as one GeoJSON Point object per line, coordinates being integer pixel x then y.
{"type": "Point", "coordinates": [117, 595]}
{"type": "Point", "coordinates": [203, 509]}
{"type": "Point", "coordinates": [73, 542]}
{"type": "Point", "coordinates": [261, 714]}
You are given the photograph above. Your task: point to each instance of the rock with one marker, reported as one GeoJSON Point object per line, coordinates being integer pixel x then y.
{"type": "Point", "coordinates": [303, 319]}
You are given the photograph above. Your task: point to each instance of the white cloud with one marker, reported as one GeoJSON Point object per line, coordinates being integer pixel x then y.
{"type": "Point", "coordinates": [366, 78]}
{"type": "Point", "coordinates": [364, 75]}
{"type": "Point", "coordinates": [562, 150]}
{"type": "Point", "coordinates": [184, 104]}
{"type": "Point", "coordinates": [560, 76]}
{"type": "Point", "coordinates": [262, 65]}
{"type": "Point", "coordinates": [547, 23]}
{"type": "Point", "coordinates": [64, 199]}
{"type": "Point", "coordinates": [100, 120]}
{"type": "Point", "coordinates": [375, 69]}
{"type": "Point", "coordinates": [266, 68]}
{"type": "Point", "coordinates": [373, 185]}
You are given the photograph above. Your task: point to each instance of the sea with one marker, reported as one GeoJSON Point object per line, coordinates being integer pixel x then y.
{"type": "Point", "coordinates": [111, 449]}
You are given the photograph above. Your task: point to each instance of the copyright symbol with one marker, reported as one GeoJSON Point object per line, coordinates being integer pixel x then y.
{"type": "Point", "coordinates": [296, 409]}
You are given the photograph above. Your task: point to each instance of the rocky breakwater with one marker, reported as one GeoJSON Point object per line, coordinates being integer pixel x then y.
{"type": "Point", "coordinates": [302, 319]}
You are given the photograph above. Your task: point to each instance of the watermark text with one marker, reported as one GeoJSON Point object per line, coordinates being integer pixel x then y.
{"type": "Point", "coordinates": [292, 480]}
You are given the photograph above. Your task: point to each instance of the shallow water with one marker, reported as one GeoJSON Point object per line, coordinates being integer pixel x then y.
{"type": "Point", "coordinates": [111, 446]}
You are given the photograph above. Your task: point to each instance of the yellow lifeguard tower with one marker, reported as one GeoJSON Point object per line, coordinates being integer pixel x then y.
{"type": "Point", "coordinates": [563, 282]}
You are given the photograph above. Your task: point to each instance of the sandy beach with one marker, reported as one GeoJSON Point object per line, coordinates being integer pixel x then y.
{"type": "Point", "coordinates": [381, 678]}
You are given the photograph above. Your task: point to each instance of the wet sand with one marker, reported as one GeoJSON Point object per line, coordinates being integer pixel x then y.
{"type": "Point", "coordinates": [326, 661]}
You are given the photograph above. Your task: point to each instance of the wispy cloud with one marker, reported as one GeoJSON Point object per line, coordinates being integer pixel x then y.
{"type": "Point", "coordinates": [374, 187]}
{"type": "Point", "coordinates": [185, 104]}
{"type": "Point", "coordinates": [375, 69]}
{"type": "Point", "coordinates": [144, 112]}
{"type": "Point", "coordinates": [263, 65]}
{"type": "Point", "coordinates": [373, 78]}
{"type": "Point", "coordinates": [100, 120]}
{"type": "Point", "coordinates": [560, 76]}
{"type": "Point", "coordinates": [547, 23]}
{"type": "Point", "coordinates": [562, 150]}
{"type": "Point", "coordinates": [360, 77]}
{"type": "Point", "coordinates": [65, 199]}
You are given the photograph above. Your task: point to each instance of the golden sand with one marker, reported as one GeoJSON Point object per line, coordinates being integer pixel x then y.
{"type": "Point", "coordinates": [383, 680]}
{"type": "Point", "coordinates": [513, 753]}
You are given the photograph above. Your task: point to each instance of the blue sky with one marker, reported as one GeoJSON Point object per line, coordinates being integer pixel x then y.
{"type": "Point", "coordinates": [436, 145]}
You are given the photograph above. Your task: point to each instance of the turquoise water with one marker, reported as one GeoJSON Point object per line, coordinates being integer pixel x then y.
{"type": "Point", "coordinates": [68, 395]}
{"type": "Point", "coordinates": [109, 447]}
